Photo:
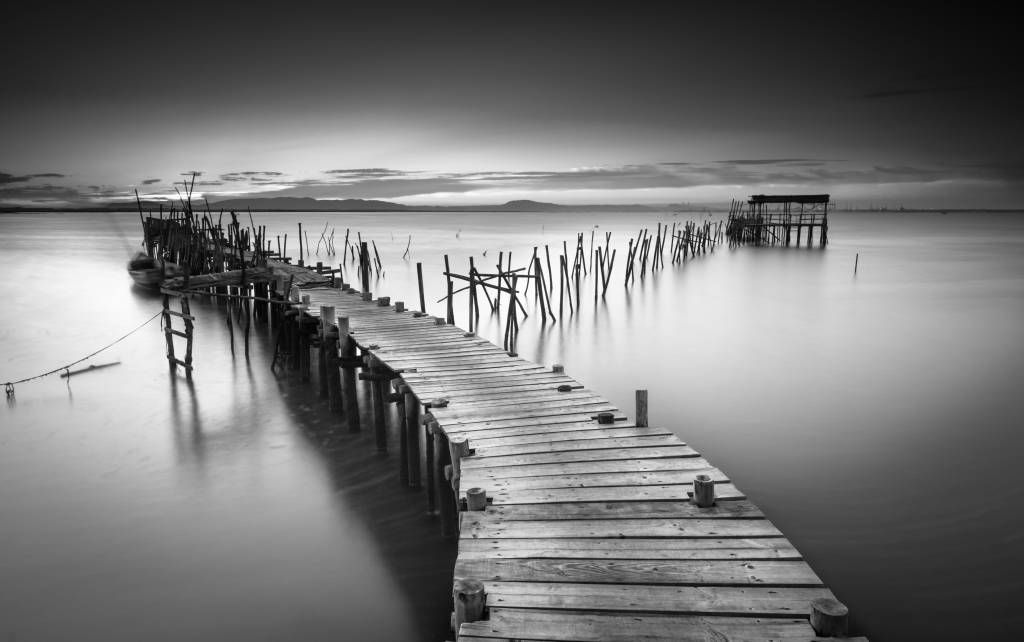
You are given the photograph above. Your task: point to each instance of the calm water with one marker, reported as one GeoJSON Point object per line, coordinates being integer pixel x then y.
{"type": "Point", "coordinates": [875, 418]}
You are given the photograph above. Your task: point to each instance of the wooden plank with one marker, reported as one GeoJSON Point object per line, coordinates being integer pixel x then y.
{"type": "Point", "coordinates": [739, 601]}
{"type": "Point", "coordinates": [543, 429]}
{"type": "Point", "coordinates": [594, 480]}
{"type": "Point", "coordinates": [733, 548]}
{"type": "Point", "coordinates": [725, 492]}
{"type": "Point", "coordinates": [456, 414]}
{"type": "Point", "coordinates": [617, 443]}
{"type": "Point", "coordinates": [597, 431]}
{"type": "Point", "coordinates": [582, 455]}
{"type": "Point", "coordinates": [490, 526]}
{"type": "Point", "coordinates": [676, 572]}
{"type": "Point", "coordinates": [554, 625]}
{"type": "Point", "coordinates": [583, 467]}
{"type": "Point", "coordinates": [469, 425]}
{"type": "Point", "coordinates": [626, 510]}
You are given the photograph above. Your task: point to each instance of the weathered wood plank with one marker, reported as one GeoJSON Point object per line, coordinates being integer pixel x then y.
{"type": "Point", "coordinates": [753, 548]}
{"type": "Point", "coordinates": [626, 510]}
{"type": "Point", "coordinates": [489, 526]}
{"type": "Point", "coordinates": [584, 467]}
{"type": "Point", "coordinates": [607, 454]}
{"type": "Point", "coordinates": [565, 626]}
{"type": "Point", "coordinates": [593, 480]}
{"type": "Point", "coordinates": [677, 572]}
{"type": "Point", "coordinates": [641, 441]}
{"type": "Point", "coordinates": [740, 601]}
{"type": "Point", "coordinates": [596, 431]}
{"type": "Point", "coordinates": [725, 492]}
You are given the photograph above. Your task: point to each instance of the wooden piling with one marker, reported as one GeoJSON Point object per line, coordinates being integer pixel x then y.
{"type": "Point", "coordinates": [641, 408]}
{"type": "Point", "coordinates": [703, 491]}
{"type": "Point", "coordinates": [349, 361]}
{"type": "Point", "coordinates": [469, 599]}
{"type": "Point", "coordinates": [829, 617]}
{"type": "Point", "coordinates": [442, 475]}
{"type": "Point", "coordinates": [412, 428]}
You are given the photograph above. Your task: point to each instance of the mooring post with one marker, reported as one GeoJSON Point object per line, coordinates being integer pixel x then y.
{"type": "Point", "coordinates": [476, 499]}
{"type": "Point", "coordinates": [349, 361]}
{"type": "Point", "coordinates": [829, 617]}
{"type": "Point", "coordinates": [641, 408]}
{"type": "Point", "coordinates": [443, 473]}
{"type": "Point", "coordinates": [459, 448]}
{"type": "Point", "coordinates": [470, 600]}
{"type": "Point", "coordinates": [703, 491]}
{"type": "Point", "coordinates": [412, 429]}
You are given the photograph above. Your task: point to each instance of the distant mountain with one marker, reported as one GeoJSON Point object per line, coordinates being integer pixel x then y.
{"type": "Point", "coordinates": [297, 204]}
{"type": "Point", "coordinates": [294, 204]}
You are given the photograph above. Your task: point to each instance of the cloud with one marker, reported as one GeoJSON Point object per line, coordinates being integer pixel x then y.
{"type": "Point", "coordinates": [6, 179]}
{"type": "Point", "coordinates": [150, 181]}
{"type": "Point", "coordinates": [769, 161]}
{"type": "Point", "coordinates": [366, 172]}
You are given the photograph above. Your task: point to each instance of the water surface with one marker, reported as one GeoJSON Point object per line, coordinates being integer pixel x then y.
{"type": "Point", "coordinates": [874, 417]}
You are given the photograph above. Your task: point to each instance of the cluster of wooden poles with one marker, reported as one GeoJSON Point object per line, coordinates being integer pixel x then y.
{"type": "Point", "coordinates": [680, 242]}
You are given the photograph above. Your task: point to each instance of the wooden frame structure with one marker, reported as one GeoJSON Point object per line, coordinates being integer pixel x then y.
{"type": "Point", "coordinates": [772, 219]}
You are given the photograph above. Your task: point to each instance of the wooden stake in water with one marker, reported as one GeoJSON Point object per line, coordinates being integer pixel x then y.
{"type": "Point", "coordinates": [856, 260]}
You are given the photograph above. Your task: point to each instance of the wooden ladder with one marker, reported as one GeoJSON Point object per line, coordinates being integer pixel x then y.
{"type": "Point", "coordinates": [170, 333]}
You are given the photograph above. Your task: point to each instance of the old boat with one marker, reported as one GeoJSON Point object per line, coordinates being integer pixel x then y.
{"type": "Point", "coordinates": [149, 272]}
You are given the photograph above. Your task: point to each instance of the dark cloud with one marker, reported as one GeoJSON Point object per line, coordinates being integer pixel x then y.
{"type": "Point", "coordinates": [150, 181]}
{"type": "Point", "coordinates": [6, 179]}
{"type": "Point", "coordinates": [767, 161]}
{"type": "Point", "coordinates": [366, 172]}
{"type": "Point", "coordinates": [41, 194]}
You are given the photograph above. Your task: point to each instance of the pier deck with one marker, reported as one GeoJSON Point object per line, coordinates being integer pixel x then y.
{"type": "Point", "coordinates": [590, 533]}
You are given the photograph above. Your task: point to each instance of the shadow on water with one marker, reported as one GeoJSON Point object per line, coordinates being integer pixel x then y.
{"type": "Point", "coordinates": [409, 539]}
{"type": "Point", "coordinates": [364, 483]}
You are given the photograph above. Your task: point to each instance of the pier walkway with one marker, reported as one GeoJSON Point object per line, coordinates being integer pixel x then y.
{"type": "Point", "coordinates": [589, 531]}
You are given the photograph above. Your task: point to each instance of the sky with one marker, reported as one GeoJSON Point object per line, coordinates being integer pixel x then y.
{"type": "Point", "coordinates": [480, 103]}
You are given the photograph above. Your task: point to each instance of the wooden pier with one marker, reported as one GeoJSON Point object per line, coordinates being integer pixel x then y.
{"type": "Point", "coordinates": [574, 521]}
{"type": "Point", "coordinates": [779, 220]}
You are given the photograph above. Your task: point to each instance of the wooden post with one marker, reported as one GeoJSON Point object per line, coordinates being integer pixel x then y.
{"type": "Point", "coordinates": [469, 598]}
{"type": "Point", "coordinates": [419, 278]}
{"type": "Point", "coordinates": [558, 368]}
{"type": "Point", "coordinates": [829, 617]}
{"type": "Point", "coordinates": [333, 373]}
{"type": "Point", "coordinates": [458, 448]}
{"type": "Point", "coordinates": [301, 254]}
{"type": "Point", "coordinates": [641, 408]}
{"type": "Point", "coordinates": [703, 491]}
{"type": "Point", "coordinates": [412, 428]}
{"type": "Point", "coordinates": [347, 350]}
{"type": "Point", "coordinates": [380, 428]}
{"type": "Point", "coordinates": [856, 260]}
{"type": "Point", "coordinates": [326, 324]}
{"type": "Point", "coordinates": [443, 473]}
{"type": "Point", "coordinates": [399, 306]}
{"type": "Point", "coordinates": [428, 420]}
{"type": "Point", "coordinates": [403, 435]}
{"type": "Point", "coordinates": [476, 499]}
